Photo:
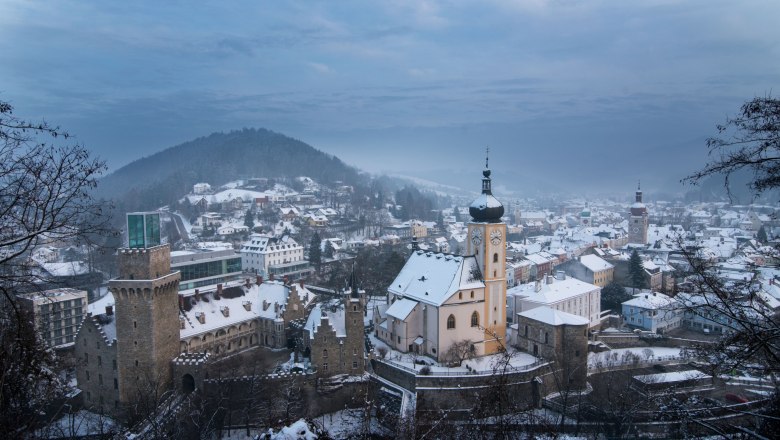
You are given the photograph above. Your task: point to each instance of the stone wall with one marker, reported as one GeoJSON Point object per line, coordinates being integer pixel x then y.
{"type": "Point", "coordinates": [96, 368]}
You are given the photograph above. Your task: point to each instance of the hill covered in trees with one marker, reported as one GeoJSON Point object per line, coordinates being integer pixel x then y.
{"type": "Point", "coordinates": [163, 177]}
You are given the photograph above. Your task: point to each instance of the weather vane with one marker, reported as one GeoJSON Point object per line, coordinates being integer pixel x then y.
{"type": "Point", "coordinates": [487, 153]}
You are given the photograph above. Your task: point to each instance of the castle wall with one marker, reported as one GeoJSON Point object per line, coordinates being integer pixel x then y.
{"type": "Point", "coordinates": [96, 368]}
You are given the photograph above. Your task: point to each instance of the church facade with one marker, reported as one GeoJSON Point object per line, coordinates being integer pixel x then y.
{"type": "Point", "coordinates": [440, 302]}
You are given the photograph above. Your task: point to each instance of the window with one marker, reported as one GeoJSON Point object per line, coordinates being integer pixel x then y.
{"type": "Point", "coordinates": [100, 361]}
{"type": "Point", "coordinates": [526, 331]}
{"type": "Point", "coordinates": [475, 319]}
{"type": "Point", "coordinates": [86, 357]}
{"type": "Point", "coordinates": [354, 364]}
{"type": "Point", "coordinates": [325, 353]}
{"type": "Point", "coordinates": [114, 364]}
{"type": "Point", "coordinates": [100, 379]}
{"type": "Point", "coordinates": [472, 294]}
{"type": "Point", "coordinates": [116, 384]}
{"type": "Point", "coordinates": [546, 337]}
{"type": "Point", "coordinates": [460, 295]}
{"type": "Point", "coordinates": [451, 322]}
{"type": "Point", "coordinates": [87, 374]}
{"type": "Point", "coordinates": [324, 366]}
{"type": "Point", "coordinates": [495, 258]}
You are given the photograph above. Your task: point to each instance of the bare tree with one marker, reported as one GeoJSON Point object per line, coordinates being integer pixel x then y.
{"type": "Point", "coordinates": [45, 194]}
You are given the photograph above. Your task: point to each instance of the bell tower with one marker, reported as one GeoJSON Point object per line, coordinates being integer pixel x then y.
{"type": "Point", "coordinates": [486, 242]}
{"type": "Point", "coordinates": [147, 324]}
{"type": "Point", "coordinates": [637, 222]}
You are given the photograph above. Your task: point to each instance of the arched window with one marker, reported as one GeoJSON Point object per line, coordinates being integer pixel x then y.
{"type": "Point", "coordinates": [325, 353]}
{"type": "Point", "coordinates": [495, 258]}
{"type": "Point", "coordinates": [460, 295]}
{"type": "Point", "coordinates": [451, 322]}
{"type": "Point", "coordinates": [475, 319]}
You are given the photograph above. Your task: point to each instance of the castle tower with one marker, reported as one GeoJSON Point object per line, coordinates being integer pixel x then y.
{"type": "Point", "coordinates": [147, 310]}
{"type": "Point", "coordinates": [486, 242]}
{"type": "Point", "coordinates": [354, 306]}
{"type": "Point", "coordinates": [637, 222]}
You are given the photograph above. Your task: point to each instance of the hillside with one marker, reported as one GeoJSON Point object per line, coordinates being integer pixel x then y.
{"type": "Point", "coordinates": [163, 177]}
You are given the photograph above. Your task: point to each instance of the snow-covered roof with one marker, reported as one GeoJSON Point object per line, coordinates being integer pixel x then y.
{"type": "Point", "coordinates": [594, 263]}
{"type": "Point", "coordinates": [558, 290]}
{"type": "Point", "coordinates": [650, 301]}
{"type": "Point", "coordinates": [551, 316]}
{"type": "Point", "coordinates": [401, 308]}
{"type": "Point", "coordinates": [270, 293]}
{"type": "Point", "coordinates": [433, 277]}
{"type": "Point", "coordinates": [334, 311]}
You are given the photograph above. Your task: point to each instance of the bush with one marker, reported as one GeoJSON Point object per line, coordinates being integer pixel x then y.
{"type": "Point", "coordinates": [425, 371]}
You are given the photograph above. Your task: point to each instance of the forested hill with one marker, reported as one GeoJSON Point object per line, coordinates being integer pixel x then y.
{"type": "Point", "coordinates": [163, 177]}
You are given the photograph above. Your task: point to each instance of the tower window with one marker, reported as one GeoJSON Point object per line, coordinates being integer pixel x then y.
{"type": "Point", "coordinates": [475, 319]}
{"type": "Point", "coordinates": [451, 322]}
{"type": "Point", "coordinates": [495, 258]}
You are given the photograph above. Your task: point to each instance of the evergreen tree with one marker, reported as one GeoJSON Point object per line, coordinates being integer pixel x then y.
{"type": "Point", "coordinates": [761, 236]}
{"type": "Point", "coordinates": [315, 252]}
{"type": "Point", "coordinates": [440, 222]}
{"type": "Point", "coordinates": [329, 250]}
{"type": "Point", "coordinates": [456, 212]}
{"type": "Point", "coordinates": [636, 270]}
{"type": "Point", "coordinates": [249, 219]}
{"type": "Point", "coordinates": [612, 296]}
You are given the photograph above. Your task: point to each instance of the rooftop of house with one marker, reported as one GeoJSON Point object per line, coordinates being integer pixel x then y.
{"type": "Point", "coordinates": [650, 301]}
{"type": "Point", "coordinates": [594, 263]}
{"type": "Point", "coordinates": [551, 290]}
{"type": "Point", "coordinates": [333, 310]}
{"type": "Point", "coordinates": [553, 317]}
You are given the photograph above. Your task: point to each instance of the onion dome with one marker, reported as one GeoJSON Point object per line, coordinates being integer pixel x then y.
{"type": "Point", "coordinates": [486, 208]}
{"type": "Point", "coordinates": [638, 208]}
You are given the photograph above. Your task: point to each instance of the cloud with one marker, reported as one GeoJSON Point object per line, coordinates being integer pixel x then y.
{"type": "Point", "coordinates": [321, 68]}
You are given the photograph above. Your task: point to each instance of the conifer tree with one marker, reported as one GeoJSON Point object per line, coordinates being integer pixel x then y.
{"type": "Point", "coordinates": [315, 252]}
{"type": "Point", "coordinates": [636, 270]}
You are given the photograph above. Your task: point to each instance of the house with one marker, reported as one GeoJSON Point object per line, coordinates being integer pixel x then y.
{"type": "Point", "coordinates": [590, 269]}
{"type": "Point", "coordinates": [560, 293]}
{"type": "Point", "coordinates": [652, 311]}
{"type": "Point", "coordinates": [268, 256]}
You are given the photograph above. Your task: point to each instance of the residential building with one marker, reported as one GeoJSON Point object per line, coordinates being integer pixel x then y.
{"type": "Point", "coordinates": [561, 293]}
{"type": "Point", "coordinates": [56, 313]}
{"type": "Point", "coordinates": [268, 256]}
{"type": "Point", "coordinates": [590, 269]}
{"type": "Point", "coordinates": [652, 311]}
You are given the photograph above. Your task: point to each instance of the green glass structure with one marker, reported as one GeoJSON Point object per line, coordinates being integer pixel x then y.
{"type": "Point", "coordinates": [143, 230]}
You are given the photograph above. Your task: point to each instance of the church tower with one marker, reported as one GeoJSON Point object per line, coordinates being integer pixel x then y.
{"type": "Point", "coordinates": [637, 222]}
{"type": "Point", "coordinates": [486, 243]}
{"type": "Point", "coordinates": [147, 310]}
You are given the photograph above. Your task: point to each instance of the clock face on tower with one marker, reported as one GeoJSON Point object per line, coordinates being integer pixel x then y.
{"type": "Point", "coordinates": [635, 229]}
{"type": "Point", "coordinates": [476, 236]}
{"type": "Point", "coordinates": [495, 237]}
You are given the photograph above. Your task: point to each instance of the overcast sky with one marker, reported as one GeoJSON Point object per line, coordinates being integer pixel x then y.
{"type": "Point", "coordinates": [598, 92]}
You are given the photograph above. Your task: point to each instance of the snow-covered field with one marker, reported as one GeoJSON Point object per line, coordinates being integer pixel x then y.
{"type": "Point", "coordinates": [621, 356]}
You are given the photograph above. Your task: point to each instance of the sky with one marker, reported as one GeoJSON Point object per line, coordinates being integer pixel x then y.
{"type": "Point", "coordinates": [586, 94]}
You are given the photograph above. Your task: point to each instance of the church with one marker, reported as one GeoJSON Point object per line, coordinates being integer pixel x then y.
{"type": "Point", "coordinates": [438, 302]}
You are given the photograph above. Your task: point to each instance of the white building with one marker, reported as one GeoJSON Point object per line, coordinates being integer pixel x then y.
{"type": "Point", "coordinates": [653, 311]}
{"type": "Point", "coordinates": [266, 256]}
{"type": "Point", "coordinates": [201, 188]}
{"type": "Point", "coordinates": [561, 293]}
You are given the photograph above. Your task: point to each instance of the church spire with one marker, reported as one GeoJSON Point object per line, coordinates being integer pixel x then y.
{"type": "Point", "coordinates": [486, 208]}
{"type": "Point", "coordinates": [486, 184]}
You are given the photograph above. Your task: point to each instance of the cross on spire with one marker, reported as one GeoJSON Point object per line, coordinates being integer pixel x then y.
{"type": "Point", "coordinates": [487, 153]}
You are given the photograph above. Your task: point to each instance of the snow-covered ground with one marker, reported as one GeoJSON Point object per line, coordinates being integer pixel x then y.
{"type": "Point", "coordinates": [621, 356]}
{"type": "Point", "coordinates": [480, 365]}
{"type": "Point", "coordinates": [79, 424]}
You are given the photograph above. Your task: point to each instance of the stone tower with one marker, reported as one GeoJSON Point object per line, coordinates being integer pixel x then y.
{"type": "Point", "coordinates": [637, 222]}
{"type": "Point", "coordinates": [354, 307]}
{"type": "Point", "coordinates": [147, 311]}
{"type": "Point", "coordinates": [486, 242]}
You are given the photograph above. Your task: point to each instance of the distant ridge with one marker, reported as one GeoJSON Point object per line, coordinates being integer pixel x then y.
{"type": "Point", "coordinates": [163, 177]}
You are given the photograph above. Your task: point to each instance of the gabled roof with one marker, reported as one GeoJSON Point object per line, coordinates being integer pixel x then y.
{"type": "Point", "coordinates": [401, 308]}
{"type": "Point", "coordinates": [551, 316]}
{"type": "Point", "coordinates": [433, 277]}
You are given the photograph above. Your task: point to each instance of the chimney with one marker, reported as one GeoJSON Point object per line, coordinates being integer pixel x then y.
{"type": "Point", "coordinates": [265, 305]}
{"type": "Point", "coordinates": [561, 275]}
{"type": "Point", "coordinates": [550, 279]}
{"type": "Point", "coordinates": [300, 283]}
{"type": "Point", "coordinates": [259, 280]}
{"type": "Point", "coordinates": [247, 306]}
{"type": "Point", "coordinates": [276, 307]}
{"type": "Point", "coordinates": [197, 295]}
{"type": "Point", "coordinates": [218, 293]}
{"type": "Point", "coordinates": [225, 311]}
{"type": "Point", "coordinates": [248, 283]}
{"type": "Point", "coordinates": [647, 296]}
{"type": "Point", "coordinates": [109, 310]}
{"type": "Point", "coordinates": [202, 317]}
{"type": "Point", "coordinates": [181, 323]}
{"type": "Point", "coordinates": [271, 277]}
{"type": "Point", "coordinates": [654, 293]}
{"type": "Point", "coordinates": [538, 286]}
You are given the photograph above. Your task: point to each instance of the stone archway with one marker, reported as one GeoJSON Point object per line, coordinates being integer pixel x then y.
{"type": "Point", "coordinates": [187, 383]}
